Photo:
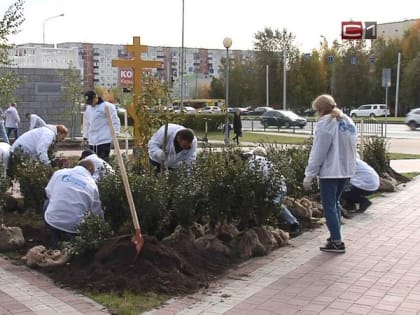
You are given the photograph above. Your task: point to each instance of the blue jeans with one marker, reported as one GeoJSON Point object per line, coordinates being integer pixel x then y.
{"type": "Point", "coordinates": [331, 189]}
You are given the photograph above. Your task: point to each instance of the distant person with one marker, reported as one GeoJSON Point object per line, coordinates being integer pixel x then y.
{"type": "Point", "coordinates": [11, 120]}
{"type": "Point", "coordinates": [101, 166]}
{"type": "Point", "coordinates": [3, 133]}
{"type": "Point", "coordinates": [36, 142]}
{"type": "Point", "coordinates": [4, 157]}
{"type": "Point", "coordinates": [35, 121]}
{"type": "Point", "coordinates": [237, 126]}
{"type": "Point", "coordinates": [333, 160]}
{"type": "Point", "coordinates": [364, 183]}
{"type": "Point", "coordinates": [95, 125]}
{"type": "Point", "coordinates": [71, 192]}
{"type": "Point", "coordinates": [181, 147]}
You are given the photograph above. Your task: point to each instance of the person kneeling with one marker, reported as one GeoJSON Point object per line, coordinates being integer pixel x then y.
{"type": "Point", "coordinates": [70, 193]}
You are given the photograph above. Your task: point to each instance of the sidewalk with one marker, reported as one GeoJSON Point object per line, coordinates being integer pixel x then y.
{"type": "Point", "coordinates": [23, 291]}
{"type": "Point", "coordinates": [378, 274]}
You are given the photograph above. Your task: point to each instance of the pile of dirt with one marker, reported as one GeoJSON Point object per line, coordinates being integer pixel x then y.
{"type": "Point", "coordinates": [162, 266]}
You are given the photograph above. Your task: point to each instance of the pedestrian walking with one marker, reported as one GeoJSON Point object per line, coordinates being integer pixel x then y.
{"type": "Point", "coordinates": [333, 160]}
{"type": "Point", "coordinates": [12, 120]}
{"type": "Point", "coordinates": [237, 126]}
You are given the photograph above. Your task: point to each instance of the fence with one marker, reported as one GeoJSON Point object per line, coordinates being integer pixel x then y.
{"type": "Point", "coordinates": [367, 127]}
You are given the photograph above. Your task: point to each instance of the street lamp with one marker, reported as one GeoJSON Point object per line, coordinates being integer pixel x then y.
{"type": "Point", "coordinates": [43, 25]}
{"type": "Point", "coordinates": [227, 42]}
{"type": "Point", "coordinates": [181, 103]}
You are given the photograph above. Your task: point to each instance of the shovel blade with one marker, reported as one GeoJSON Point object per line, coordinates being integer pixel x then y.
{"type": "Point", "coordinates": [138, 241]}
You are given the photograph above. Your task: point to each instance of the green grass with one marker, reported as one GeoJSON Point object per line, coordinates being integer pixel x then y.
{"type": "Point", "coordinates": [256, 137]}
{"type": "Point", "coordinates": [403, 156]}
{"type": "Point", "coordinates": [128, 303]}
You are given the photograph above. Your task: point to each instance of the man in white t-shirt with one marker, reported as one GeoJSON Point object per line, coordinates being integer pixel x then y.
{"type": "Point", "coordinates": [70, 193]}
{"type": "Point", "coordinates": [364, 183]}
{"type": "Point", "coordinates": [35, 121]}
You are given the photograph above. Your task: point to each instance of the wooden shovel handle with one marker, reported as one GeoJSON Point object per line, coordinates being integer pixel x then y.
{"type": "Point", "coordinates": [123, 171]}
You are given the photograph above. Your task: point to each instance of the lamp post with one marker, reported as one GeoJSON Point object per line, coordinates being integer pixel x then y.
{"type": "Point", "coordinates": [227, 42]}
{"type": "Point", "coordinates": [43, 25]}
{"type": "Point", "coordinates": [181, 103]}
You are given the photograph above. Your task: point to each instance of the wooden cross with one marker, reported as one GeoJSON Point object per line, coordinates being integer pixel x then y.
{"type": "Point", "coordinates": [137, 64]}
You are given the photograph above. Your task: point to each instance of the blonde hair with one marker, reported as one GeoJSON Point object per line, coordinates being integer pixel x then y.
{"type": "Point", "coordinates": [62, 130]}
{"type": "Point", "coordinates": [260, 151]}
{"type": "Point", "coordinates": [325, 104]}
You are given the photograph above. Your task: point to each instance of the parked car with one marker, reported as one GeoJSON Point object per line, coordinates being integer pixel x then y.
{"type": "Point", "coordinates": [186, 110]}
{"type": "Point", "coordinates": [370, 110]}
{"type": "Point", "coordinates": [211, 109]}
{"type": "Point", "coordinates": [412, 119]}
{"type": "Point", "coordinates": [257, 111]}
{"type": "Point", "coordinates": [282, 118]}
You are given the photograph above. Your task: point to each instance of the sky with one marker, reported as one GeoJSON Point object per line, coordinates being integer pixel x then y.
{"type": "Point", "coordinates": [206, 23]}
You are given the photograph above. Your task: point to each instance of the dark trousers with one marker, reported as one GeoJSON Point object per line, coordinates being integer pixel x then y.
{"type": "Point", "coordinates": [102, 150]}
{"type": "Point", "coordinates": [10, 130]}
{"type": "Point", "coordinates": [157, 167]}
{"type": "Point", "coordinates": [353, 195]}
{"type": "Point", "coordinates": [56, 236]}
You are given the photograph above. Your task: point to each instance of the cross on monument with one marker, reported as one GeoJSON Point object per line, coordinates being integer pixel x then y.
{"type": "Point", "coordinates": [137, 64]}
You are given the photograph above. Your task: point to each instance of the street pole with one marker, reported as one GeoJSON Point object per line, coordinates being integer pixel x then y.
{"type": "Point", "coordinates": [227, 42]}
{"type": "Point", "coordinates": [181, 104]}
{"type": "Point", "coordinates": [43, 25]}
{"type": "Point", "coordinates": [267, 102]}
{"type": "Point", "coordinates": [397, 84]}
{"type": "Point", "coordinates": [284, 79]}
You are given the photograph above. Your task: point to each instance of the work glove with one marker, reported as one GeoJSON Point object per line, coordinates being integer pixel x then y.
{"type": "Point", "coordinates": [161, 155]}
{"type": "Point", "coordinates": [307, 183]}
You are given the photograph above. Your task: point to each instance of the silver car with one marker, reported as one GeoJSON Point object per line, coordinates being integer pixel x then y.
{"type": "Point", "coordinates": [412, 119]}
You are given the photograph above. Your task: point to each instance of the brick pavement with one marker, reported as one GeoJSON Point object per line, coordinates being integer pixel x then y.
{"type": "Point", "coordinates": [378, 274]}
{"type": "Point", "coordinates": [24, 291]}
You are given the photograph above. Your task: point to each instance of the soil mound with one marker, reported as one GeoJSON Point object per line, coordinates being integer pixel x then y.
{"type": "Point", "coordinates": [162, 266]}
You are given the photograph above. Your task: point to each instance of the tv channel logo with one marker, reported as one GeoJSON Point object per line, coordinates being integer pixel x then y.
{"type": "Point", "coordinates": [358, 30]}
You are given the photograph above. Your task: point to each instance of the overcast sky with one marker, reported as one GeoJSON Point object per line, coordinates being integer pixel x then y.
{"type": "Point", "coordinates": [206, 23]}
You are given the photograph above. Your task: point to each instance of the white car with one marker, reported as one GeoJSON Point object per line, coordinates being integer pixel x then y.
{"type": "Point", "coordinates": [186, 110]}
{"type": "Point", "coordinates": [370, 110]}
{"type": "Point", "coordinates": [211, 110]}
{"type": "Point", "coordinates": [412, 119]}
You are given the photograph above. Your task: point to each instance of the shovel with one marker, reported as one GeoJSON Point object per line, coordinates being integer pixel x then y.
{"type": "Point", "coordinates": [164, 164]}
{"type": "Point", "coordinates": [137, 238]}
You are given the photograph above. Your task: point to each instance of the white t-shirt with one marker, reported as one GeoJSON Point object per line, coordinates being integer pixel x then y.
{"type": "Point", "coordinates": [71, 192]}
{"type": "Point", "coordinates": [101, 166]}
{"type": "Point", "coordinates": [366, 177]}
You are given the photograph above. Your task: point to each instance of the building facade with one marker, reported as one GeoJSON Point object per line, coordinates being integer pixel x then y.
{"type": "Point", "coordinates": [94, 61]}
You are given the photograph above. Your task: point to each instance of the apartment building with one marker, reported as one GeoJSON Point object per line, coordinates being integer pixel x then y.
{"type": "Point", "coordinates": [94, 61]}
{"type": "Point", "coordinates": [395, 30]}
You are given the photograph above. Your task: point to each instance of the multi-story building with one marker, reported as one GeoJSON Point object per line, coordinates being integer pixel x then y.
{"type": "Point", "coordinates": [395, 30]}
{"type": "Point", "coordinates": [95, 63]}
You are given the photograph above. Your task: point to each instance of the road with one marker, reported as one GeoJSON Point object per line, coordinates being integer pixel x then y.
{"type": "Point", "coordinates": [391, 130]}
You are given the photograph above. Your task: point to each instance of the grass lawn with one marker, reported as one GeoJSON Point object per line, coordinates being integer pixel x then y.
{"type": "Point", "coordinates": [256, 137]}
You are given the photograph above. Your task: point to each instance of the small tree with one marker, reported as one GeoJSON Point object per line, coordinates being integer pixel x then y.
{"type": "Point", "coordinates": [9, 25]}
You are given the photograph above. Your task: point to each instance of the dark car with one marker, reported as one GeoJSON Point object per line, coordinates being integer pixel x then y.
{"type": "Point", "coordinates": [259, 110]}
{"type": "Point", "coordinates": [282, 118]}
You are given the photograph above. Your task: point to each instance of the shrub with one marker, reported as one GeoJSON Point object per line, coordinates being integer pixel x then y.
{"type": "Point", "coordinates": [92, 232]}
{"type": "Point", "coordinates": [375, 154]}
{"type": "Point", "coordinates": [33, 177]}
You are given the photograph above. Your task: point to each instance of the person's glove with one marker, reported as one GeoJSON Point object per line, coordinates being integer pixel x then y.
{"type": "Point", "coordinates": [161, 155]}
{"type": "Point", "coordinates": [307, 183]}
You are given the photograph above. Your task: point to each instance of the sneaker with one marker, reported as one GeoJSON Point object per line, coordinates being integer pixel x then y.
{"type": "Point", "coordinates": [364, 205]}
{"type": "Point", "coordinates": [333, 247]}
